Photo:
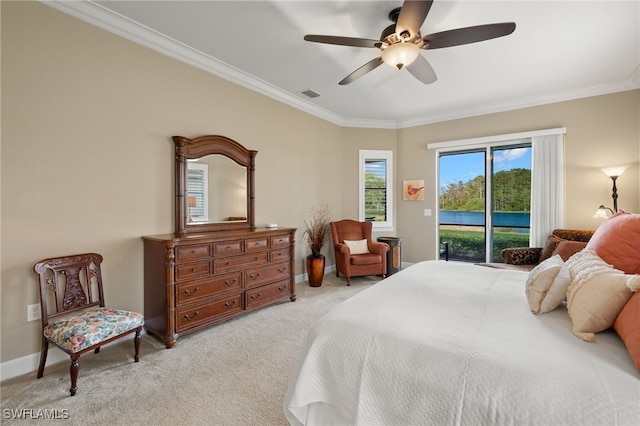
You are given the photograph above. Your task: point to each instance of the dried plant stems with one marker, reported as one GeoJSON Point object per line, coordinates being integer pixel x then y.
{"type": "Point", "coordinates": [317, 228]}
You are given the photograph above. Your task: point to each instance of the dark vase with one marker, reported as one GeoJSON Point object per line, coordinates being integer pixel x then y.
{"type": "Point", "coordinates": [315, 269]}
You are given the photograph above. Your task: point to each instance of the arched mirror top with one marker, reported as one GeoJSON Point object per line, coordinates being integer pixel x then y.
{"type": "Point", "coordinates": [214, 185]}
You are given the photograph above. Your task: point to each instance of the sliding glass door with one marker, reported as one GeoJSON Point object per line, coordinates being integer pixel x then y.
{"type": "Point", "coordinates": [484, 201]}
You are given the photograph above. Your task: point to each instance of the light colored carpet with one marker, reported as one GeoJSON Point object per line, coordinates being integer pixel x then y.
{"type": "Point", "coordinates": [234, 373]}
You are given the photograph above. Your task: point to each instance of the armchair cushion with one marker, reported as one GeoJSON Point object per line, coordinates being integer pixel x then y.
{"type": "Point", "coordinates": [366, 259]}
{"type": "Point", "coordinates": [357, 247]}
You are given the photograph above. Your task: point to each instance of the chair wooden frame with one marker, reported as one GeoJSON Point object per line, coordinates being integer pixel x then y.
{"type": "Point", "coordinates": [69, 287]}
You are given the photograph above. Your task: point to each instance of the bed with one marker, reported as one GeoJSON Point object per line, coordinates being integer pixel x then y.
{"type": "Point", "coordinates": [447, 343]}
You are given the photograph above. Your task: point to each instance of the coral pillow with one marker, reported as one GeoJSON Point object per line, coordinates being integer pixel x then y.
{"type": "Point", "coordinates": [567, 248]}
{"type": "Point", "coordinates": [627, 325]}
{"type": "Point", "coordinates": [546, 285]}
{"type": "Point", "coordinates": [357, 246]}
{"type": "Point", "coordinates": [597, 293]}
{"type": "Point", "coordinates": [617, 241]}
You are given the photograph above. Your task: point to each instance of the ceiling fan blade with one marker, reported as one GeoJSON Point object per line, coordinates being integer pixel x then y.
{"type": "Point", "coordinates": [412, 16]}
{"type": "Point", "coordinates": [369, 66]}
{"type": "Point", "coordinates": [342, 41]}
{"type": "Point", "coordinates": [422, 70]}
{"type": "Point", "coordinates": [467, 35]}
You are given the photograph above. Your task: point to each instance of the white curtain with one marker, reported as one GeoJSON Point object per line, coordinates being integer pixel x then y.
{"type": "Point", "coordinates": [547, 187]}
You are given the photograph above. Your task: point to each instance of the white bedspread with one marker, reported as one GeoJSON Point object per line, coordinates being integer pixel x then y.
{"type": "Point", "coordinates": [446, 343]}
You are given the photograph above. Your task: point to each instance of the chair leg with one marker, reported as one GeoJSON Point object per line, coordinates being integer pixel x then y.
{"type": "Point", "coordinates": [348, 282]}
{"type": "Point", "coordinates": [43, 357]}
{"type": "Point", "coordinates": [74, 370]}
{"type": "Point", "coordinates": [97, 350]}
{"type": "Point", "coordinates": [136, 343]}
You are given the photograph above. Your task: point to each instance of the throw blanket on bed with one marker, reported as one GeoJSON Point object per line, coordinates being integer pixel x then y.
{"type": "Point", "coordinates": [445, 343]}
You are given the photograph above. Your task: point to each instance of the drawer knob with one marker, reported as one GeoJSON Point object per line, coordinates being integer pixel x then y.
{"type": "Point", "coordinates": [282, 287]}
{"type": "Point", "coordinates": [191, 293]}
{"type": "Point", "coordinates": [255, 277]}
{"type": "Point", "coordinates": [189, 318]}
{"type": "Point", "coordinates": [283, 269]}
{"type": "Point", "coordinates": [256, 296]}
{"type": "Point", "coordinates": [230, 305]}
{"type": "Point", "coordinates": [194, 270]}
{"type": "Point", "coordinates": [230, 283]}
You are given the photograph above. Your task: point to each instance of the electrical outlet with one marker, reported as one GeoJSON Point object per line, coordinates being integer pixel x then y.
{"type": "Point", "coordinates": [33, 312]}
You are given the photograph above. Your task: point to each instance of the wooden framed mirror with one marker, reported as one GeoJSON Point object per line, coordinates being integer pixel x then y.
{"type": "Point", "coordinates": [214, 185]}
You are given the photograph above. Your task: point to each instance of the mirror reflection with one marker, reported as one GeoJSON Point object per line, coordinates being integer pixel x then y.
{"type": "Point", "coordinates": [216, 190]}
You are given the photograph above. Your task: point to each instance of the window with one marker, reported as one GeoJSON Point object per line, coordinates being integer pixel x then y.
{"type": "Point", "coordinates": [197, 183]}
{"type": "Point", "coordinates": [376, 188]}
{"type": "Point", "coordinates": [484, 200]}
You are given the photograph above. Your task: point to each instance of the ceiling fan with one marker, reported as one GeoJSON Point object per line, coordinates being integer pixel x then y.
{"type": "Point", "coordinates": [400, 43]}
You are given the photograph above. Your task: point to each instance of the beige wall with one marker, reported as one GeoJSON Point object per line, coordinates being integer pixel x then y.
{"type": "Point", "coordinates": [601, 131]}
{"type": "Point", "coordinates": [87, 159]}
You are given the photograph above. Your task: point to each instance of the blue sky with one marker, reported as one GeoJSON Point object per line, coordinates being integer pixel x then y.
{"type": "Point", "coordinates": [463, 167]}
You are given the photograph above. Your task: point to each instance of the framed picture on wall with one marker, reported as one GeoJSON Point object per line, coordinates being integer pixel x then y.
{"type": "Point", "coordinates": [413, 190]}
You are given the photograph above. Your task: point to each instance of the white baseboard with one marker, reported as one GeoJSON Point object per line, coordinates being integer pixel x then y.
{"type": "Point", "coordinates": [29, 363]}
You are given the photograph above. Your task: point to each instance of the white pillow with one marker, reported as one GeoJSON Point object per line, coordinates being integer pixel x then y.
{"type": "Point", "coordinates": [547, 284]}
{"type": "Point", "coordinates": [357, 247]}
{"type": "Point", "coordinates": [597, 293]}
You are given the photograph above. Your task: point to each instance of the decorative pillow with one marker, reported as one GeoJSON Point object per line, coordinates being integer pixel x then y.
{"type": "Point", "coordinates": [617, 241]}
{"type": "Point", "coordinates": [597, 293]}
{"type": "Point", "coordinates": [627, 325]}
{"type": "Point", "coordinates": [546, 285]}
{"type": "Point", "coordinates": [549, 247]}
{"type": "Point", "coordinates": [567, 248]}
{"type": "Point", "coordinates": [357, 247]}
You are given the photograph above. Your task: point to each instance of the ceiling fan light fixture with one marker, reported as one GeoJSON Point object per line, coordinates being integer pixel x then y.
{"type": "Point", "coordinates": [400, 55]}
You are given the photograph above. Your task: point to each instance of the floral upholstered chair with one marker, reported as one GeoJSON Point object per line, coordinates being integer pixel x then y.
{"type": "Point", "coordinates": [74, 316]}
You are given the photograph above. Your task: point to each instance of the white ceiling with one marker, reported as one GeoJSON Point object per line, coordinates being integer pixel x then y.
{"type": "Point", "coordinates": [560, 50]}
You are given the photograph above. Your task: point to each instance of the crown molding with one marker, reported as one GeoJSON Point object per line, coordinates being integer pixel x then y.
{"type": "Point", "coordinates": [528, 102]}
{"type": "Point", "coordinates": [115, 23]}
{"type": "Point", "coordinates": [97, 15]}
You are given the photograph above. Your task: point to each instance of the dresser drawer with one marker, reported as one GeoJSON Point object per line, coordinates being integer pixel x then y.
{"type": "Point", "coordinates": [190, 292]}
{"type": "Point", "coordinates": [280, 241]}
{"type": "Point", "coordinates": [187, 271]}
{"type": "Point", "coordinates": [191, 317]}
{"type": "Point", "coordinates": [192, 252]}
{"type": "Point", "coordinates": [238, 262]}
{"type": "Point", "coordinates": [227, 248]}
{"type": "Point", "coordinates": [262, 295]}
{"type": "Point", "coordinates": [264, 274]}
{"type": "Point", "coordinates": [279, 255]}
{"type": "Point", "coordinates": [255, 244]}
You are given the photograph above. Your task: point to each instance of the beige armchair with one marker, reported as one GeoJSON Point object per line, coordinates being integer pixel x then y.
{"type": "Point", "coordinates": [361, 259]}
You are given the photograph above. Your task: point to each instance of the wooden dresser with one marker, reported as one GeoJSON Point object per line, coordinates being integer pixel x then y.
{"type": "Point", "coordinates": [198, 280]}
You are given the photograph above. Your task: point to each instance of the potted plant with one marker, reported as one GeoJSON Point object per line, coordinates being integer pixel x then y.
{"type": "Point", "coordinates": [316, 233]}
